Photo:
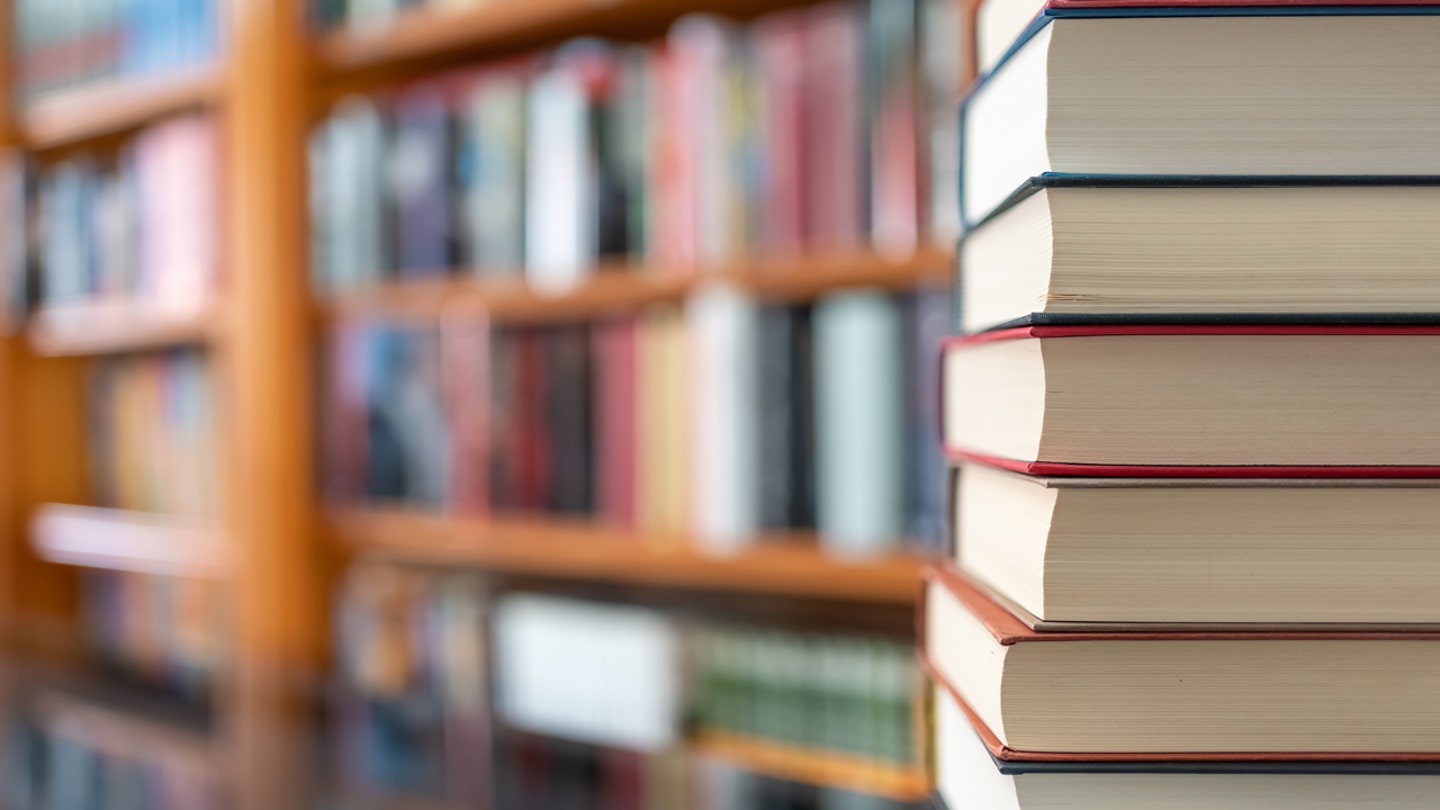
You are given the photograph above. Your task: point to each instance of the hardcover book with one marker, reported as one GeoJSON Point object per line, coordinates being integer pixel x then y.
{"type": "Point", "coordinates": [1158, 696]}
{"type": "Point", "coordinates": [1219, 94]}
{"type": "Point", "coordinates": [1087, 553]}
{"type": "Point", "coordinates": [973, 771]}
{"type": "Point", "coordinates": [1102, 249]}
{"type": "Point", "coordinates": [1262, 401]}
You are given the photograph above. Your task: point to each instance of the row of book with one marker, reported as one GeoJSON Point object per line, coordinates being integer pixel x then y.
{"type": "Point", "coordinates": [374, 15]}
{"type": "Point", "coordinates": [151, 434]}
{"type": "Point", "coordinates": [58, 764]}
{"type": "Point", "coordinates": [1190, 415]}
{"type": "Point", "coordinates": [814, 129]}
{"type": "Point", "coordinates": [136, 226]}
{"type": "Point", "coordinates": [723, 421]}
{"type": "Point", "coordinates": [157, 632]}
{"type": "Point", "coordinates": [543, 772]}
{"type": "Point", "coordinates": [814, 690]}
{"type": "Point", "coordinates": [62, 44]}
{"type": "Point", "coordinates": [443, 676]}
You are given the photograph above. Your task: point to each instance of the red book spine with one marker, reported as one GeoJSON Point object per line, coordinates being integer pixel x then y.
{"type": "Point", "coordinates": [465, 357]}
{"type": "Point", "coordinates": [779, 43]}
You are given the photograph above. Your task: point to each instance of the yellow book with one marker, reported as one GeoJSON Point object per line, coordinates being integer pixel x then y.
{"type": "Point", "coordinates": [663, 383]}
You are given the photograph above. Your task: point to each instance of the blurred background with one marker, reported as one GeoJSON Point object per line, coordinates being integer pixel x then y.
{"type": "Point", "coordinates": [471, 403]}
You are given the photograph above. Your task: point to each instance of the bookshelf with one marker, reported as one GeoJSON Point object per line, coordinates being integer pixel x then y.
{"type": "Point", "coordinates": [832, 769]}
{"type": "Point", "coordinates": [115, 728]}
{"type": "Point", "coordinates": [276, 549]}
{"type": "Point", "coordinates": [117, 540]}
{"type": "Point", "coordinates": [504, 25]}
{"type": "Point", "coordinates": [786, 564]}
{"type": "Point", "coordinates": [619, 287]}
{"type": "Point", "coordinates": [105, 327]}
{"type": "Point", "coordinates": [111, 106]}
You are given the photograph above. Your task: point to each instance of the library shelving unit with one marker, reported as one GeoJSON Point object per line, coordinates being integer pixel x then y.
{"type": "Point", "coordinates": [277, 549]}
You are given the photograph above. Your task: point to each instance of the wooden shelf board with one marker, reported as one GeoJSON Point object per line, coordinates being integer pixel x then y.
{"type": "Point", "coordinates": [110, 106]}
{"type": "Point", "coordinates": [501, 25]}
{"type": "Point", "coordinates": [101, 327]}
{"type": "Point", "coordinates": [620, 288]}
{"type": "Point", "coordinates": [827, 768]}
{"type": "Point", "coordinates": [126, 732]}
{"type": "Point", "coordinates": [790, 564]}
{"type": "Point", "coordinates": [118, 540]}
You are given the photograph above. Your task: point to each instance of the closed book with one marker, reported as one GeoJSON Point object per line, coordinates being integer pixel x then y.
{"type": "Point", "coordinates": [421, 180]}
{"type": "Point", "coordinates": [503, 417]}
{"type": "Point", "coordinates": [725, 405]}
{"type": "Point", "coordinates": [560, 241]}
{"type": "Point", "coordinates": [700, 49]}
{"type": "Point", "coordinates": [947, 54]}
{"type": "Point", "coordinates": [1079, 552]}
{"type": "Point", "coordinates": [926, 314]}
{"type": "Point", "coordinates": [779, 41]}
{"type": "Point", "coordinates": [465, 359]}
{"type": "Point", "coordinates": [1157, 696]}
{"type": "Point", "coordinates": [1092, 248]}
{"type": "Point", "coordinates": [974, 772]}
{"type": "Point", "coordinates": [777, 367]}
{"type": "Point", "coordinates": [568, 402]}
{"type": "Point", "coordinates": [859, 415]}
{"type": "Point", "coordinates": [617, 420]}
{"type": "Point", "coordinates": [493, 138]}
{"type": "Point", "coordinates": [1000, 23]}
{"type": "Point", "coordinates": [176, 169]}
{"type": "Point", "coordinates": [1194, 400]}
{"type": "Point", "coordinates": [348, 197]}
{"type": "Point", "coordinates": [664, 390]}
{"type": "Point", "coordinates": [894, 113]}
{"type": "Point", "coordinates": [835, 163]}
{"type": "Point", "coordinates": [529, 442]}
{"type": "Point", "coordinates": [1222, 92]}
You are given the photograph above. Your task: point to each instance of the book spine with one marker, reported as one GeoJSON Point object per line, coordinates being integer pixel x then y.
{"type": "Point", "coordinates": [859, 414]}
{"type": "Point", "coordinates": [725, 493]}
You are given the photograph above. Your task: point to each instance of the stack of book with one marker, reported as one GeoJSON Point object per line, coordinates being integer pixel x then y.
{"type": "Point", "coordinates": [1192, 415]}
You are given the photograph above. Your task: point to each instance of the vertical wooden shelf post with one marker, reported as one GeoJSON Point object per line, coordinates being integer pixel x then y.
{"type": "Point", "coordinates": [279, 589]}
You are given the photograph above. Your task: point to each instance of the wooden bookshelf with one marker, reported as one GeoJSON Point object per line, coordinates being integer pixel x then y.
{"type": "Point", "coordinates": [619, 287]}
{"type": "Point", "coordinates": [902, 783]}
{"type": "Point", "coordinates": [789, 563]}
{"type": "Point", "coordinates": [117, 540]}
{"type": "Point", "coordinates": [103, 327]}
{"type": "Point", "coordinates": [270, 542]}
{"type": "Point", "coordinates": [502, 25]}
{"type": "Point", "coordinates": [109, 106]}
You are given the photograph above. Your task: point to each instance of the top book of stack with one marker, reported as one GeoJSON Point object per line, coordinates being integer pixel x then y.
{"type": "Point", "coordinates": [1228, 162]}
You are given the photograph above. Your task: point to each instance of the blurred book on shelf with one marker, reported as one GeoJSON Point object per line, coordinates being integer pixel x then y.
{"type": "Point", "coordinates": [63, 44]}
{"type": "Point", "coordinates": [85, 745]}
{"type": "Point", "coordinates": [599, 700]}
{"type": "Point", "coordinates": [162, 634]}
{"type": "Point", "coordinates": [151, 440]}
{"type": "Point", "coordinates": [723, 422]}
{"type": "Point", "coordinates": [136, 225]}
{"type": "Point", "coordinates": [805, 130]}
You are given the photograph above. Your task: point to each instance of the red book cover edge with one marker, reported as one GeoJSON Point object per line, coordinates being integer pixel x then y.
{"type": "Point", "coordinates": [1009, 630]}
{"type": "Point", "coordinates": [1226, 3]}
{"type": "Point", "coordinates": [1153, 330]}
{"type": "Point", "coordinates": [1064, 468]}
